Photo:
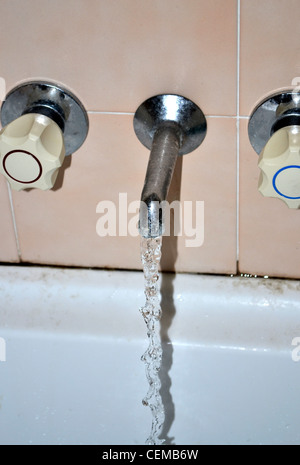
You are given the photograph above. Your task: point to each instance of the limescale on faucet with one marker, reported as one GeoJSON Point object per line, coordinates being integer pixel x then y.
{"type": "Point", "coordinates": [150, 255]}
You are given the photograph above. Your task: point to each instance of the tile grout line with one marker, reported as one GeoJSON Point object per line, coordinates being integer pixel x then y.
{"type": "Point", "coordinates": [124, 113]}
{"type": "Point", "coordinates": [238, 117]}
{"type": "Point", "coordinates": [14, 221]}
{"type": "Point", "coordinates": [227, 116]}
{"type": "Point", "coordinates": [121, 113]}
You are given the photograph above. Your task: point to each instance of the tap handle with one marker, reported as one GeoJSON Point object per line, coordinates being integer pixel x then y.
{"type": "Point", "coordinates": [42, 123]}
{"type": "Point", "coordinates": [274, 132]}
{"type": "Point", "coordinates": [279, 163]}
{"type": "Point", "coordinates": [31, 152]}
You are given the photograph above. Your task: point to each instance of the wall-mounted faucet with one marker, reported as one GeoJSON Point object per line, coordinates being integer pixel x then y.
{"type": "Point", "coordinates": [168, 125]}
{"type": "Point", "coordinates": [42, 122]}
{"type": "Point", "coordinates": [274, 132]}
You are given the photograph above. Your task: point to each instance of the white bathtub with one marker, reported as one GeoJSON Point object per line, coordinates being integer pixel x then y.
{"type": "Point", "coordinates": [71, 370]}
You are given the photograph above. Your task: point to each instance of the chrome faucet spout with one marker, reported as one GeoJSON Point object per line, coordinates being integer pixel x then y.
{"type": "Point", "coordinates": [151, 218]}
{"type": "Point", "coordinates": [162, 161]}
{"type": "Point", "coordinates": [168, 125]}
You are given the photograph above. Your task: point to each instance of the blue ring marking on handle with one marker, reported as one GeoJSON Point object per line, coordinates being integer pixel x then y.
{"type": "Point", "coordinates": [274, 181]}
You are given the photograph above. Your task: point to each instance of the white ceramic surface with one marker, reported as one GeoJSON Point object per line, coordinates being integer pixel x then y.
{"type": "Point", "coordinates": [73, 373]}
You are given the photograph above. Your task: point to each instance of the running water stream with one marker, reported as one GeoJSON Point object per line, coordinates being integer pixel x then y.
{"type": "Point", "coordinates": [150, 255]}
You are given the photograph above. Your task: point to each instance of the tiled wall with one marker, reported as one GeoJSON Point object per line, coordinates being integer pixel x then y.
{"type": "Point", "coordinates": [226, 55]}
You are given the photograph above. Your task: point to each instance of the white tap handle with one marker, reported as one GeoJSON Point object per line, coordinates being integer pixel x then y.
{"type": "Point", "coordinates": [279, 163]}
{"type": "Point", "coordinates": [31, 152]}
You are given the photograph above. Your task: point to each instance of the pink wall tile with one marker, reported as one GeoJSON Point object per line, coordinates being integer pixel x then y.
{"type": "Point", "coordinates": [269, 242]}
{"type": "Point", "coordinates": [59, 227]}
{"type": "Point", "coordinates": [269, 230]}
{"type": "Point", "coordinates": [270, 38]}
{"type": "Point", "coordinates": [114, 54]}
{"type": "Point", "coordinates": [8, 246]}
{"type": "Point", "coordinates": [209, 175]}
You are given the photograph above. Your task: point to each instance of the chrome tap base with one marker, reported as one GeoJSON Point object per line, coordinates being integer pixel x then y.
{"type": "Point", "coordinates": [273, 113]}
{"type": "Point", "coordinates": [53, 101]}
{"type": "Point", "coordinates": [170, 108]}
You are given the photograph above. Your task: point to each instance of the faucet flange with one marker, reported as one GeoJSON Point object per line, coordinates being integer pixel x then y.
{"type": "Point", "coordinates": [278, 110]}
{"type": "Point", "coordinates": [51, 100]}
{"type": "Point", "coordinates": [158, 110]}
